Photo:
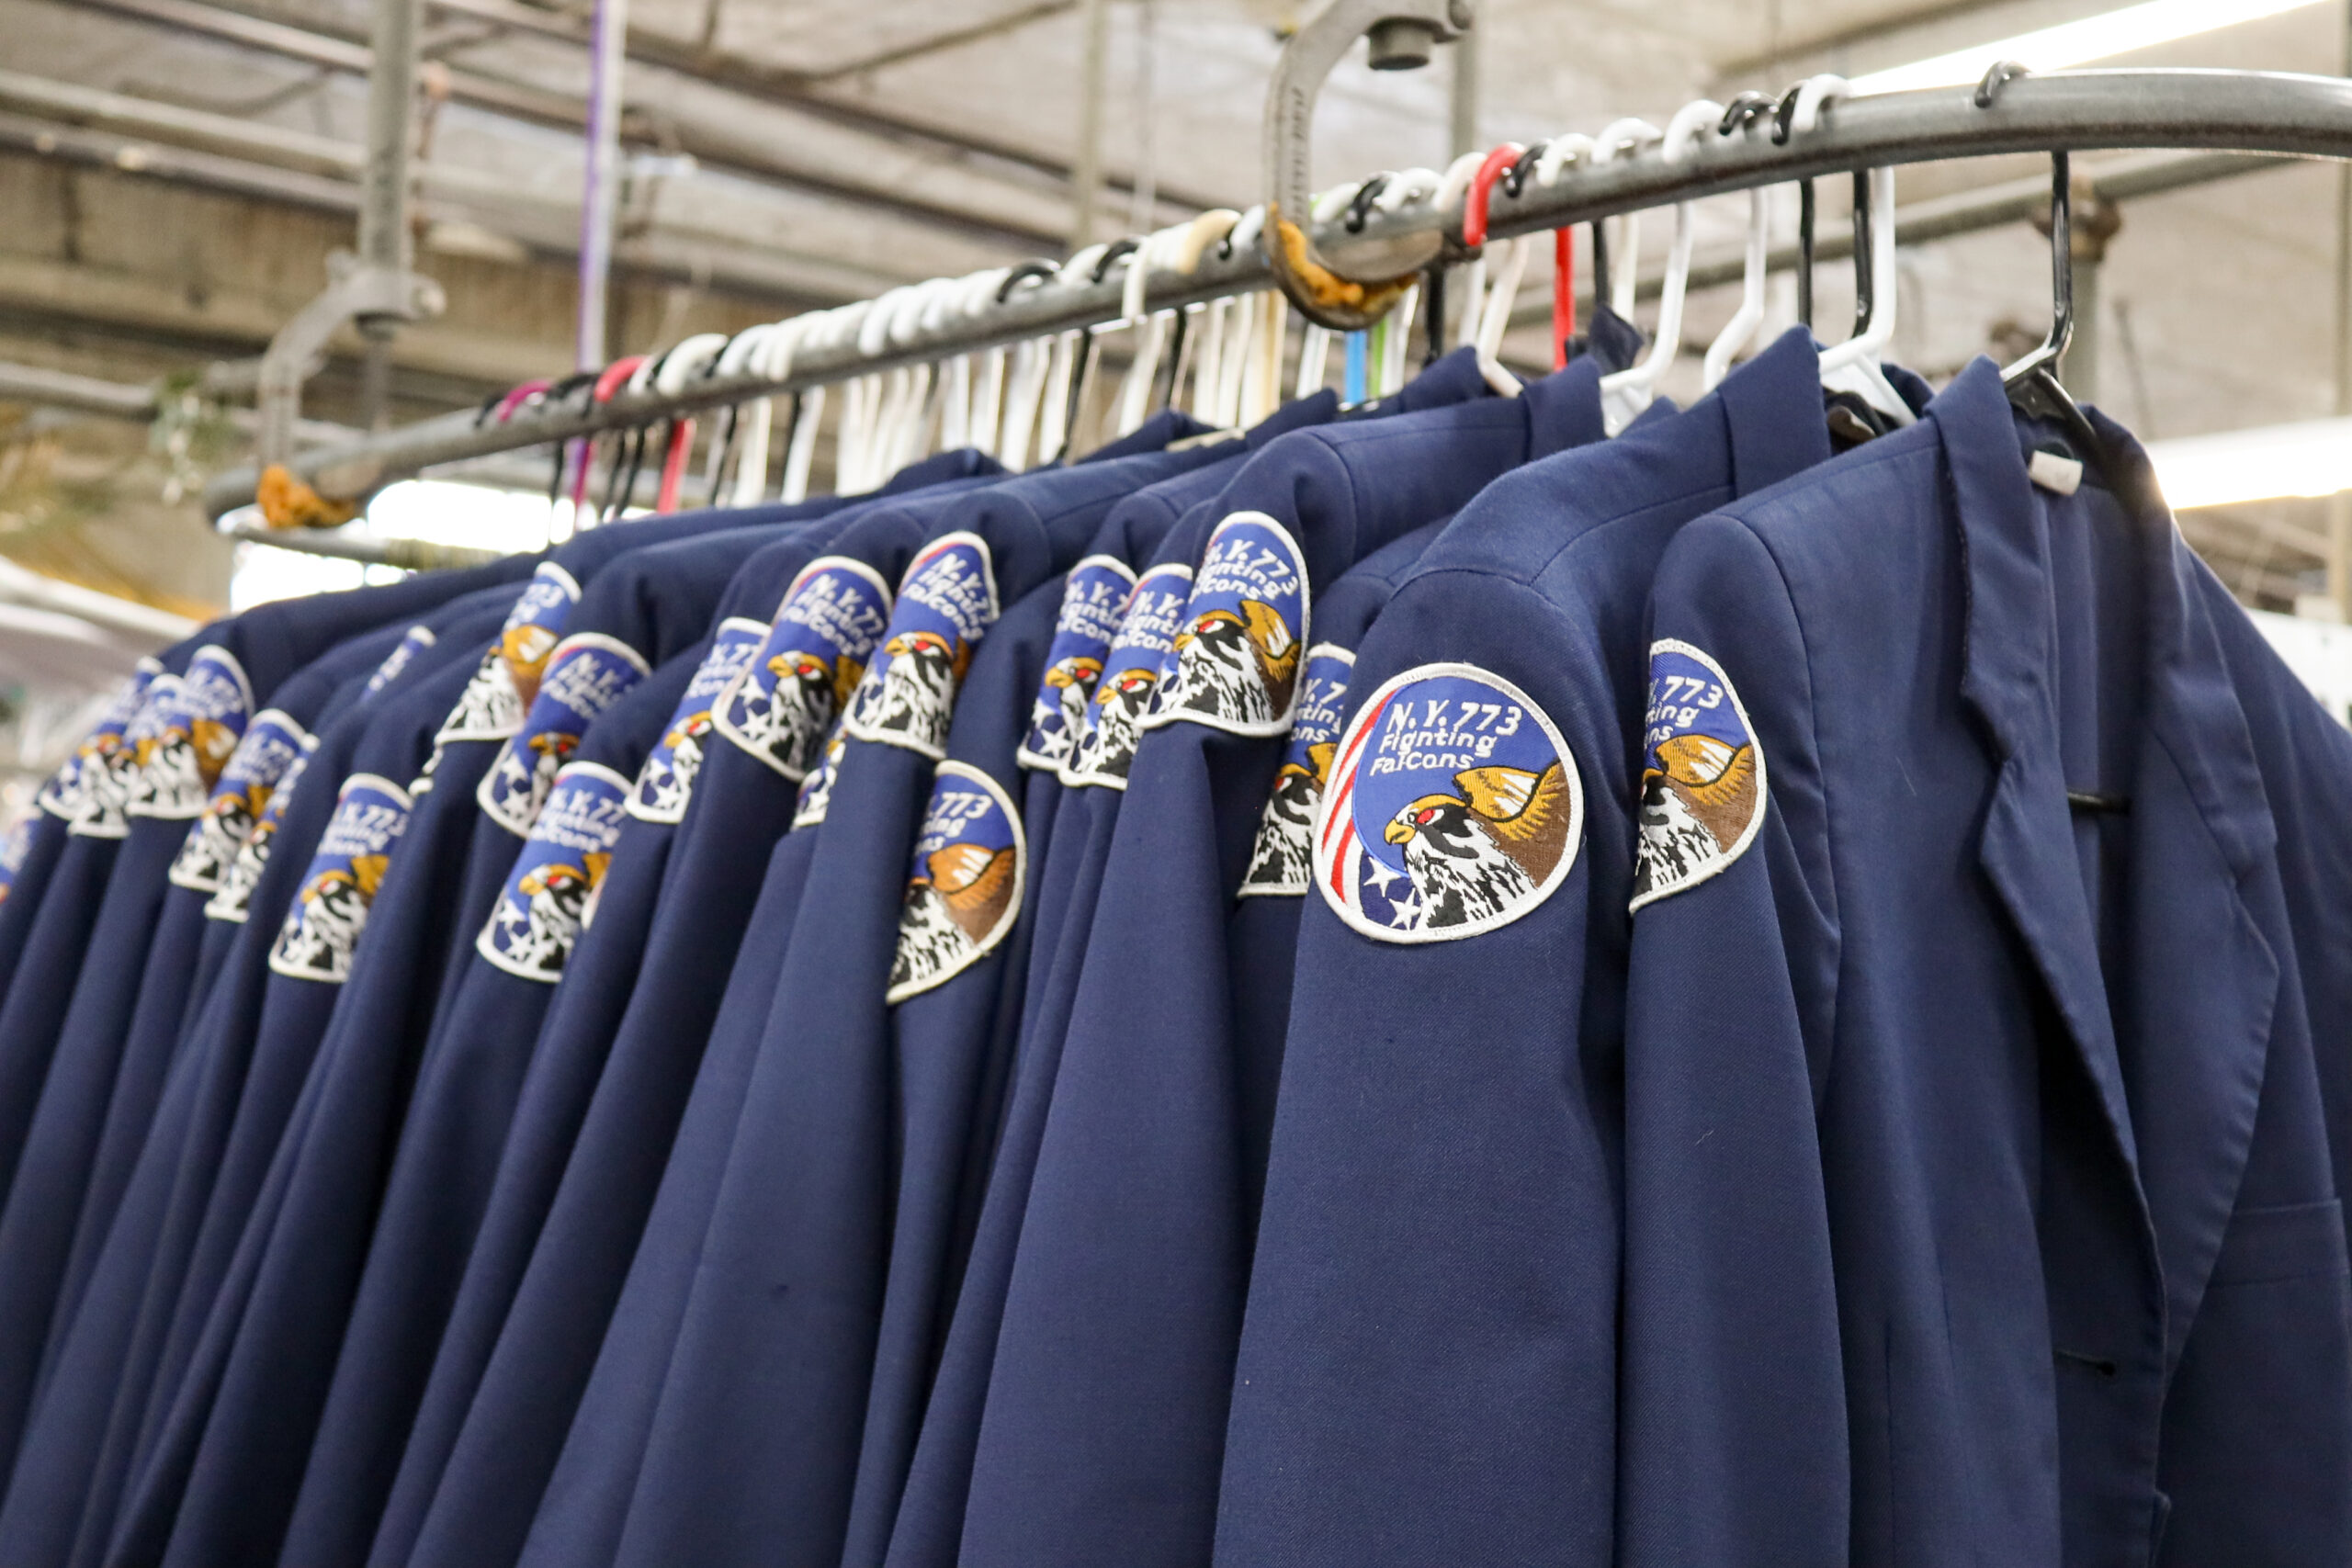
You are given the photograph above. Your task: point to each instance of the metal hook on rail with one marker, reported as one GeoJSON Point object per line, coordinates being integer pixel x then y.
{"type": "Point", "coordinates": [1348, 286]}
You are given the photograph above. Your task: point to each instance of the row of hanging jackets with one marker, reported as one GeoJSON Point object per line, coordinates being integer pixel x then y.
{"type": "Point", "coordinates": [1415, 984]}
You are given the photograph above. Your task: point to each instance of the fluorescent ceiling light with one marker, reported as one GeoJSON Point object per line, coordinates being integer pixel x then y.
{"type": "Point", "coordinates": [2265, 464]}
{"type": "Point", "coordinates": [2076, 42]}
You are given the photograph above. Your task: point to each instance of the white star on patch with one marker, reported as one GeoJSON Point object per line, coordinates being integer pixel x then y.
{"type": "Point", "coordinates": [1407, 914]}
{"type": "Point", "coordinates": [1381, 873]}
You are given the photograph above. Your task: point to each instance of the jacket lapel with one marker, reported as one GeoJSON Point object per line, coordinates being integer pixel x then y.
{"type": "Point", "coordinates": [2026, 849]}
{"type": "Point", "coordinates": [2205, 979]}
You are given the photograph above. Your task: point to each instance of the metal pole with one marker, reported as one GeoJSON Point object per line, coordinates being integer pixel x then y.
{"type": "Point", "coordinates": [2339, 505]}
{"type": "Point", "coordinates": [2240, 112]}
{"type": "Point", "coordinates": [600, 197]}
{"type": "Point", "coordinates": [1462, 104]}
{"type": "Point", "coordinates": [1094, 19]}
{"type": "Point", "coordinates": [384, 239]}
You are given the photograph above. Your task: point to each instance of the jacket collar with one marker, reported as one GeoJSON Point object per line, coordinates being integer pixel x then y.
{"type": "Point", "coordinates": [1772, 408]}
{"type": "Point", "coordinates": [2178, 1090]}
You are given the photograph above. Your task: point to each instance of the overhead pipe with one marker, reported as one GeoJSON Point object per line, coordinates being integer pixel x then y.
{"type": "Point", "coordinates": [2238, 111]}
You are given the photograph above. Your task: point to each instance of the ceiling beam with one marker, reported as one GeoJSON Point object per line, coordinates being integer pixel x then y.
{"type": "Point", "coordinates": [793, 89]}
{"type": "Point", "coordinates": [940, 43]}
{"type": "Point", "coordinates": [713, 145]}
{"type": "Point", "coordinates": [545, 228]}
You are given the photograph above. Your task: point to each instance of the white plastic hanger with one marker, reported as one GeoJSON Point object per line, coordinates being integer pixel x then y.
{"type": "Point", "coordinates": [1628, 392]}
{"type": "Point", "coordinates": [1740, 331]}
{"type": "Point", "coordinates": [1494, 317]}
{"type": "Point", "coordinates": [1853, 366]}
{"type": "Point", "coordinates": [1400, 329]}
{"type": "Point", "coordinates": [1617, 140]}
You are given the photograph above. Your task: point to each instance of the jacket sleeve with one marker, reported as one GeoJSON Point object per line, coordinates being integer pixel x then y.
{"type": "Point", "coordinates": [1426, 1372]}
{"type": "Point", "coordinates": [1732, 1418]}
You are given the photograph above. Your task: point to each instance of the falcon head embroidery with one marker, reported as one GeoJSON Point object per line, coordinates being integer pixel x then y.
{"type": "Point", "coordinates": [1284, 847]}
{"type": "Point", "coordinates": [811, 675]}
{"type": "Point", "coordinates": [950, 906]}
{"type": "Point", "coordinates": [525, 650]}
{"type": "Point", "coordinates": [1713, 782]}
{"type": "Point", "coordinates": [1238, 665]}
{"type": "Point", "coordinates": [1119, 710]}
{"type": "Point", "coordinates": [1473, 854]}
{"type": "Point", "coordinates": [214, 743]}
{"type": "Point", "coordinates": [919, 684]}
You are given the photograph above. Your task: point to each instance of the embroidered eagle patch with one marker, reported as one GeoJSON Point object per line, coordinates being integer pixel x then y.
{"type": "Point", "coordinates": [1702, 787]}
{"type": "Point", "coordinates": [1454, 808]}
{"type": "Point", "coordinates": [946, 603]}
{"type": "Point", "coordinates": [197, 731]}
{"type": "Point", "coordinates": [1131, 670]}
{"type": "Point", "coordinates": [586, 675]}
{"type": "Point", "coordinates": [415, 641]}
{"type": "Point", "coordinates": [1281, 864]}
{"type": "Point", "coordinates": [666, 782]}
{"type": "Point", "coordinates": [1238, 652]}
{"type": "Point", "coordinates": [494, 701]}
{"type": "Point", "coordinates": [104, 756]}
{"type": "Point", "coordinates": [1092, 598]}
{"type": "Point", "coordinates": [271, 746]}
{"type": "Point", "coordinates": [544, 907]}
{"type": "Point", "coordinates": [321, 931]}
{"type": "Point", "coordinates": [244, 873]}
{"type": "Point", "coordinates": [816, 796]}
{"type": "Point", "coordinates": [782, 705]}
{"type": "Point", "coordinates": [963, 889]}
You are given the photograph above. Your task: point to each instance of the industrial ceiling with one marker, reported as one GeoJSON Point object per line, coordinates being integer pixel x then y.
{"type": "Point", "coordinates": [174, 174]}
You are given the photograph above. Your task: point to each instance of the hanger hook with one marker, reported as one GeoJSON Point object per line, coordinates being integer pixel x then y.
{"type": "Point", "coordinates": [1999, 74]}
{"type": "Point", "coordinates": [1025, 272]}
{"type": "Point", "coordinates": [1865, 275]}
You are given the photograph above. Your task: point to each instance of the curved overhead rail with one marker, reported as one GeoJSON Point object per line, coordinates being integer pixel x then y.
{"type": "Point", "coordinates": [2254, 112]}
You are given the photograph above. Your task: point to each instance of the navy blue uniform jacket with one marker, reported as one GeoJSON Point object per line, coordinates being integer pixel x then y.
{"type": "Point", "coordinates": [292, 1051]}
{"type": "Point", "coordinates": [1427, 1361]}
{"type": "Point", "coordinates": [91, 1415]}
{"type": "Point", "coordinates": [1987, 1209]}
{"type": "Point", "coordinates": [398, 1317]}
{"type": "Point", "coordinates": [98, 1079]}
{"type": "Point", "coordinates": [644, 602]}
{"type": "Point", "coordinates": [822, 1065]}
{"type": "Point", "coordinates": [479, 1495]}
{"type": "Point", "coordinates": [975, 1015]}
{"type": "Point", "coordinates": [1106, 1411]}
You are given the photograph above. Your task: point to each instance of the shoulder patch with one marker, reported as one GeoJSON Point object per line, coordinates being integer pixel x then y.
{"type": "Point", "coordinates": [413, 642]}
{"type": "Point", "coordinates": [793, 688]}
{"type": "Point", "coordinates": [817, 789]}
{"type": "Point", "coordinates": [1282, 863]}
{"type": "Point", "coordinates": [1131, 669]}
{"type": "Point", "coordinates": [270, 747]}
{"type": "Point", "coordinates": [1454, 808]}
{"type": "Point", "coordinates": [322, 928]}
{"type": "Point", "coordinates": [66, 794]}
{"type": "Point", "coordinates": [1092, 598]}
{"type": "Point", "coordinates": [946, 603]}
{"type": "Point", "coordinates": [586, 675]}
{"type": "Point", "coordinates": [496, 700]}
{"type": "Point", "coordinates": [1703, 786]}
{"type": "Point", "coordinates": [1245, 628]}
{"type": "Point", "coordinates": [666, 782]}
{"type": "Point", "coordinates": [15, 843]}
{"type": "Point", "coordinates": [238, 879]}
{"type": "Point", "coordinates": [544, 907]}
{"type": "Point", "coordinates": [963, 889]}
{"type": "Point", "coordinates": [197, 732]}
{"type": "Point", "coordinates": [110, 781]}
